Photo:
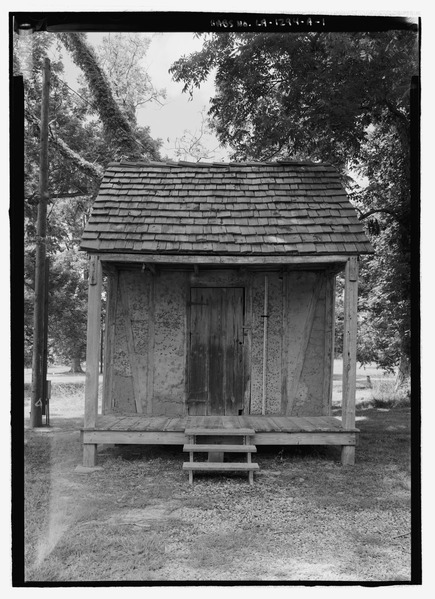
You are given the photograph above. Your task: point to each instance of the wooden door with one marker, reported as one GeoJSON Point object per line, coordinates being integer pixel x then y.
{"type": "Point", "coordinates": [215, 363]}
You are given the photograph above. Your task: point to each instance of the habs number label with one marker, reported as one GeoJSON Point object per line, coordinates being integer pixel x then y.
{"type": "Point", "coordinates": [265, 22]}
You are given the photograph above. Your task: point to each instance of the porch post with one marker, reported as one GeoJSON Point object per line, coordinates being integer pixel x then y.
{"type": "Point", "coordinates": [92, 356]}
{"type": "Point", "coordinates": [349, 354]}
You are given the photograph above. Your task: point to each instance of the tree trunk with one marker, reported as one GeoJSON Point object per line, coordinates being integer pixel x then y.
{"type": "Point", "coordinates": [76, 366]}
{"type": "Point", "coordinates": [111, 115]}
{"type": "Point", "coordinates": [403, 378]}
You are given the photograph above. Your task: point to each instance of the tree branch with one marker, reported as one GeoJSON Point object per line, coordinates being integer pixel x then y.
{"type": "Point", "coordinates": [364, 215]}
{"type": "Point", "coordinates": [400, 115]}
{"type": "Point", "coordinates": [92, 170]}
{"type": "Point", "coordinates": [113, 118]}
{"type": "Point", "coordinates": [74, 194]}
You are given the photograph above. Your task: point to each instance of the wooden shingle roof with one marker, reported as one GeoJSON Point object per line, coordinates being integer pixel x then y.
{"type": "Point", "coordinates": [266, 209]}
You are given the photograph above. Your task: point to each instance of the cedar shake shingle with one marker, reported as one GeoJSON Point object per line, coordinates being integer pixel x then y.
{"type": "Point", "coordinates": [272, 209]}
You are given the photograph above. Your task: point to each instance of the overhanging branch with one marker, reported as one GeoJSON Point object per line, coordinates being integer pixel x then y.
{"type": "Point", "coordinates": [111, 115]}
{"type": "Point", "coordinates": [92, 170]}
{"type": "Point", "coordinates": [362, 215]}
{"type": "Point", "coordinates": [394, 110]}
{"type": "Point", "coordinates": [75, 194]}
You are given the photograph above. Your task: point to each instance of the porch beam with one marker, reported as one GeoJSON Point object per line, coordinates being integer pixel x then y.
{"type": "Point", "coordinates": [349, 354]}
{"type": "Point", "coordinates": [124, 437]}
{"type": "Point", "coordinates": [92, 355]}
{"type": "Point", "coordinates": [201, 259]}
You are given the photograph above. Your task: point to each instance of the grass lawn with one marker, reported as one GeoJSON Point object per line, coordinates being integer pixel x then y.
{"type": "Point", "coordinates": [137, 519]}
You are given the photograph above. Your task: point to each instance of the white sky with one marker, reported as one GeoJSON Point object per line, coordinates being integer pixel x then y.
{"type": "Point", "coordinates": [178, 114]}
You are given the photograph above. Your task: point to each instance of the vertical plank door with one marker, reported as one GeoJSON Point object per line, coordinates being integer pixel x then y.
{"type": "Point", "coordinates": [216, 350]}
{"type": "Point", "coordinates": [198, 359]}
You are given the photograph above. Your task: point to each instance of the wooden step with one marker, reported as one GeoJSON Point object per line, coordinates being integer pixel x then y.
{"type": "Point", "coordinates": [221, 448]}
{"type": "Point", "coordinates": [219, 432]}
{"type": "Point", "coordinates": [220, 466]}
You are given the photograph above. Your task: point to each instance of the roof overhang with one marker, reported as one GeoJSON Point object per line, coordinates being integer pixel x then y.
{"type": "Point", "coordinates": [227, 260]}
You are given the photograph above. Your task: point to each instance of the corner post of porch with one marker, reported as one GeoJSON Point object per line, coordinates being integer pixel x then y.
{"type": "Point", "coordinates": [92, 356]}
{"type": "Point", "coordinates": [349, 354]}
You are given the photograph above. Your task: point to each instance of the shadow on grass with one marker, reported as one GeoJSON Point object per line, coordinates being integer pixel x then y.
{"type": "Point", "coordinates": [57, 425]}
{"type": "Point", "coordinates": [132, 453]}
{"type": "Point", "coordinates": [67, 424]}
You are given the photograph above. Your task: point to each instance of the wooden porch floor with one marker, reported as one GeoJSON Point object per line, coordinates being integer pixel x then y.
{"type": "Point", "coordinates": [269, 430]}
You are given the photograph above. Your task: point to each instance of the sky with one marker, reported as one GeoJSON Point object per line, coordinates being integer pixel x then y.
{"type": "Point", "coordinates": [178, 113]}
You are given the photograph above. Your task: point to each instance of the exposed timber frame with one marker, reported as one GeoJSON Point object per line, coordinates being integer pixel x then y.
{"type": "Point", "coordinates": [92, 356]}
{"type": "Point", "coordinates": [224, 259]}
{"type": "Point", "coordinates": [347, 434]}
{"type": "Point", "coordinates": [349, 354]}
{"type": "Point", "coordinates": [112, 294]}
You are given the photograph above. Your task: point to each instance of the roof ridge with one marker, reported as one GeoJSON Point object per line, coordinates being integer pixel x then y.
{"type": "Point", "coordinates": [186, 163]}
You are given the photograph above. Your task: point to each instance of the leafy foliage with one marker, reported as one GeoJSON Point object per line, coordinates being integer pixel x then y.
{"type": "Point", "coordinates": [67, 305]}
{"type": "Point", "coordinates": [121, 56]}
{"type": "Point", "coordinates": [341, 98]}
{"type": "Point", "coordinates": [116, 124]}
{"type": "Point", "coordinates": [86, 133]}
{"type": "Point", "coordinates": [67, 177]}
{"type": "Point", "coordinates": [308, 95]}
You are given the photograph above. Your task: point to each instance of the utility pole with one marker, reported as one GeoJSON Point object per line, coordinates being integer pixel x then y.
{"type": "Point", "coordinates": [38, 367]}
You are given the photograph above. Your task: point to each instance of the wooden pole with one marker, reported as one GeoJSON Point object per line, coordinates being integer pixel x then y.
{"type": "Point", "coordinates": [92, 356]}
{"type": "Point", "coordinates": [265, 316]}
{"type": "Point", "coordinates": [349, 354]}
{"type": "Point", "coordinates": [45, 350]}
{"type": "Point", "coordinates": [41, 230]}
{"type": "Point", "coordinates": [101, 349]}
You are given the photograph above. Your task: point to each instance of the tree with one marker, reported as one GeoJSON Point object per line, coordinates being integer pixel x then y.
{"type": "Point", "coordinates": [121, 56]}
{"type": "Point", "coordinates": [117, 126]}
{"type": "Point", "coordinates": [85, 136]}
{"type": "Point", "coordinates": [341, 98]}
{"type": "Point", "coordinates": [67, 307]}
{"type": "Point", "coordinates": [72, 173]}
{"type": "Point", "coordinates": [310, 94]}
{"type": "Point", "coordinates": [385, 206]}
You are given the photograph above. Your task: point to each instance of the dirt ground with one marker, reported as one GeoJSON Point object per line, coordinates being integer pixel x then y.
{"type": "Point", "coordinates": [306, 518]}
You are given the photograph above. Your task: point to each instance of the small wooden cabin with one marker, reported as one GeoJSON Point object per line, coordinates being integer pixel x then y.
{"type": "Point", "coordinates": [220, 302]}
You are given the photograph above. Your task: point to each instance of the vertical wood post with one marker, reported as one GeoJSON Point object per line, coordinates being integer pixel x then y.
{"type": "Point", "coordinates": [349, 353]}
{"type": "Point", "coordinates": [45, 383]}
{"type": "Point", "coordinates": [92, 355]}
{"type": "Point", "coordinates": [328, 366]}
{"type": "Point", "coordinates": [111, 307]}
{"type": "Point", "coordinates": [41, 233]}
{"type": "Point", "coordinates": [101, 349]}
{"type": "Point", "coordinates": [265, 317]}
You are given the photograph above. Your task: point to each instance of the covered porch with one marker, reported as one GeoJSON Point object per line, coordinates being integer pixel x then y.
{"type": "Point", "coordinates": [268, 429]}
